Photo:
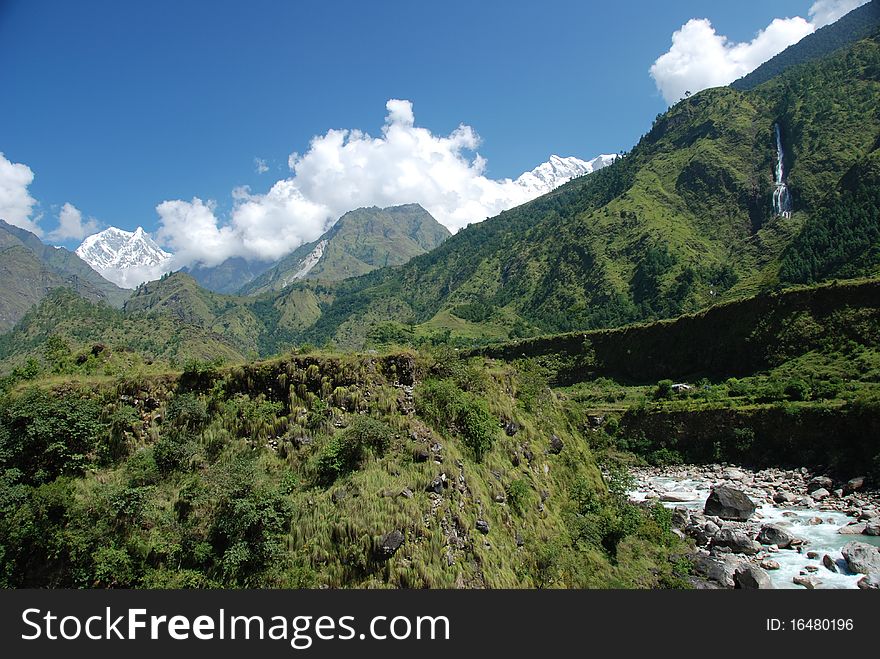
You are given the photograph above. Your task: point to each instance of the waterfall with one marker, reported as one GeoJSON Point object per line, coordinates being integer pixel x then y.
{"type": "Point", "coordinates": [781, 195]}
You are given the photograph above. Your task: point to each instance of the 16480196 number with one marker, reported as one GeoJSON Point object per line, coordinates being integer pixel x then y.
{"type": "Point", "coordinates": [821, 624]}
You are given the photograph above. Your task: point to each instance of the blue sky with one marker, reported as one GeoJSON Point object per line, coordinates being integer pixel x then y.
{"type": "Point", "coordinates": [118, 106]}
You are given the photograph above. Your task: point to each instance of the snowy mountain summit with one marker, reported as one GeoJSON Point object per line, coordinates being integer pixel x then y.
{"type": "Point", "coordinates": [124, 257]}
{"type": "Point", "coordinates": [551, 174]}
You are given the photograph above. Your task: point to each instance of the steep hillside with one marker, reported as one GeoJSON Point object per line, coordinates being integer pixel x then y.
{"type": "Point", "coordinates": [684, 220]}
{"type": "Point", "coordinates": [264, 325]}
{"type": "Point", "coordinates": [29, 269]}
{"type": "Point", "coordinates": [362, 240]}
{"type": "Point", "coordinates": [317, 471]}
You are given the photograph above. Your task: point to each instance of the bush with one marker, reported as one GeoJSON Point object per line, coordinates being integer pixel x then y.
{"type": "Point", "coordinates": [518, 492]}
{"type": "Point", "coordinates": [797, 390]}
{"type": "Point", "coordinates": [46, 437]}
{"type": "Point", "coordinates": [347, 450]}
{"type": "Point", "coordinates": [187, 411]}
{"type": "Point", "coordinates": [448, 408]}
{"type": "Point", "coordinates": [664, 389]}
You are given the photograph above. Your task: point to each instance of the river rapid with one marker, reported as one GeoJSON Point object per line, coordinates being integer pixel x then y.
{"type": "Point", "coordinates": [820, 514]}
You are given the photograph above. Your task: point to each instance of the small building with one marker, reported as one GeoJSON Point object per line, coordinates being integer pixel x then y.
{"type": "Point", "coordinates": [681, 387]}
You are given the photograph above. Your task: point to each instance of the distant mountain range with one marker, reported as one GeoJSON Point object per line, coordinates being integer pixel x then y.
{"type": "Point", "coordinates": [129, 258]}
{"type": "Point", "coordinates": [550, 175]}
{"type": "Point", "coordinates": [124, 257]}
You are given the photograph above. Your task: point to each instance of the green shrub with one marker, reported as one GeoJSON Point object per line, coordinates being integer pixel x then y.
{"type": "Point", "coordinates": [797, 390]}
{"type": "Point", "coordinates": [664, 389]}
{"type": "Point", "coordinates": [45, 437]}
{"type": "Point", "coordinates": [347, 449]}
{"type": "Point", "coordinates": [518, 494]}
{"type": "Point", "coordinates": [450, 409]}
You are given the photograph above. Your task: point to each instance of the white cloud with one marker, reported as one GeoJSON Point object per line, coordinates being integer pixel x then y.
{"type": "Point", "coordinates": [71, 225]}
{"type": "Point", "coordinates": [16, 203]}
{"type": "Point", "coordinates": [340, 171]}
{"type": "Point", "coordinates": [261, 166]}
{"type": "Point", "coordinates": [824, 12]}
{"type": "Point", "coordinates": [700, 58]}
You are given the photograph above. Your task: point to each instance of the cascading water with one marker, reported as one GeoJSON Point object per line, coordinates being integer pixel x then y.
{"type": "Point", "coordinates": [781, 195]}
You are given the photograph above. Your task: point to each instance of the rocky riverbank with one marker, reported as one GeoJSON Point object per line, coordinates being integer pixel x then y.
{"type": "Point", "coordinates": [770, 528]}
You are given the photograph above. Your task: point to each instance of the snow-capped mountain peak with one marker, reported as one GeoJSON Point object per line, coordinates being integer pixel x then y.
{"type": "Point", "coordinates": [124, 257]}
{"type": "Point", "coordinates": [558, 170]}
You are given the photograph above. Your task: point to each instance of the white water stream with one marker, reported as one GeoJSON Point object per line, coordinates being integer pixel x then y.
{"type": "Point", "coordinates": [781, 195]}
{"type": "Point", "coordinates": [821, 538]}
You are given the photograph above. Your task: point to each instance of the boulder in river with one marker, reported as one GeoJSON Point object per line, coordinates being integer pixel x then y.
{"type": "Point", "coordinates": [737, 541]}
{"type": "Point", "coordinates": [820, 482]}
{"type": "Point", "coordinates": [807, 582]}
{"type": "Point", "coordinates": [719, 569]}
{"type": "Point", "coordinates": [772, 534]}
{"type": "Point", "coordinates": [751, 577]}
{"type": "Point", "coordinates": [677, 497]}
{"type": "Point", "coordinates": [830, 563]}
{"type": "Point", "coordinates": [870, 582]}
{"type": "Point", "coordinates": [855, 528]}
{"type": "Point", "coordinates": [862, 557]}
{"type": "Point", "coordinates": [782, 497]}
{"type": "Point", "coordinates": [729, 504]}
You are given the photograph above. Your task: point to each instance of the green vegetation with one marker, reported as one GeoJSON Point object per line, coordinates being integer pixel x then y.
{"type": "Point", "coordinates": [360, 241]}
{"type": "Point", "coordinates": [29, 269]}
{"type": "Point", "coordinates": [289, 473]}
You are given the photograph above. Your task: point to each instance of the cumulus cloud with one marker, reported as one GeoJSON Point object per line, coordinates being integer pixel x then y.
{"type": "Point", "coordinates": [71, 225]}
{"type": "Point", "coordinates": [16, 203]}
{"type": "Point", "coordinates": [260, 166]}
{"type": "Point", "coordinates": [824, 12]}
{"type": "Point", "coordinates": [342, 170]}
{"type": "Point", "coordinates": [700, 58]}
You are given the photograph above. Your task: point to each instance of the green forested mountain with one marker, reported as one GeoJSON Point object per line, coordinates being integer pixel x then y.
{"type": "Point", "coordinates": [29, 269]}
{"type": "Point", "coordinates": [66, 332]}
{"type": "Point", "coordinates": [261, 325]}
{"type": "Point", "coordinates": [362, 240]}
{"type": "Point", "coordinates": [858, 24]}
{"type": "Point", "coordinates": [682, 221]}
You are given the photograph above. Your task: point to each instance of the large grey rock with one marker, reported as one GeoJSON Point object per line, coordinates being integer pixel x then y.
{"type": "Point", "coordinates": [854, 485]}
{"type": "Point", "coordinates": [737, 541]}
{"type": "Point", "coordinates": [771, 534]}
{"type": "Point", "coordinates": [856, 528]}
{"type": "Point", "coordinates": [389, 544]}
{"type": "Point", "coordinates": [730, 504]}
{"type": "Point", "coordinates": [751, 577]}
{"type": "Point", "coordinates": [820, 482]}
{"type": "Point", "coordinates": [719, 569]}
{"type": "Point", "coordinates": [861, 557]}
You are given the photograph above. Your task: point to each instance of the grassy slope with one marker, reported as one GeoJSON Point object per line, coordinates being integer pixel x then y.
{"type": "Point", "coordinates": [206, 480]}
{"type": "Point", "coordinates": [29, 268]}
